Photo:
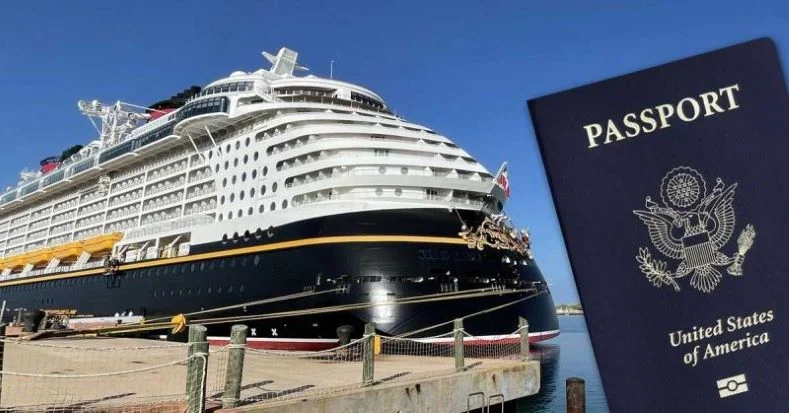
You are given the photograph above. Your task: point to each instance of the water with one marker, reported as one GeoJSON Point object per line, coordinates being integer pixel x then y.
{"type": "Point", "coordinates": [568, 355]}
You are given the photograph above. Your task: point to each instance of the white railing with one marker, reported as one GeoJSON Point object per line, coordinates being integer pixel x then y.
{"type": "Point", "coordinates": [169, 226]}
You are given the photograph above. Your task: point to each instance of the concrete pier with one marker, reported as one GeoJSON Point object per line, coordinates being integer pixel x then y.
{"type": "Point", "coordinates": [441, 394]}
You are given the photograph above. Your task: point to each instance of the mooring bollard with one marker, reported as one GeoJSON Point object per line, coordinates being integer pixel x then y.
{"type": "Point", "coordinates": [368, 368]}
{"type": "Point", "coordinates": [523, 326]}
{"type": "Point", "coordinates": [576, 395]}
{"type": "Point", "coordinates": [235, 366]}
{"type": "Point", "coordinates": [196, 370]}
{"type": "Point", "coordinates": [458, 333]}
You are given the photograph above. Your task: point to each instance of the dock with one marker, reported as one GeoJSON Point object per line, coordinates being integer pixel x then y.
{"type": "Point", "coordinates": [368, 374]}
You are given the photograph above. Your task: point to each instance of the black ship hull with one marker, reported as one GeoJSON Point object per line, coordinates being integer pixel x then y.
{"type": "Point", "coordinates": [360, 259]}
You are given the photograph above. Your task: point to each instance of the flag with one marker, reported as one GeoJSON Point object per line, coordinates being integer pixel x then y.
{"type": "Point", "coordinates": [503, 181]}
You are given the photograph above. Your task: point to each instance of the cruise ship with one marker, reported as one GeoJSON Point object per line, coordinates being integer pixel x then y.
{"type": "Point", "coordinates": [264, 193]}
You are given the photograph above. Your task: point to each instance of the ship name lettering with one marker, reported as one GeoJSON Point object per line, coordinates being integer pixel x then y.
{"type": "Point", "coordinates": [648, 120]}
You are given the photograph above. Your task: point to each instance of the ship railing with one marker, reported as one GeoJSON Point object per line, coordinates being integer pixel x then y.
{"type": "Point", "coordinates": [161, 227]}
{"type": "Point", "coordinates": [59, 268]}
{"type": "Point", "coordinates": [374, 195]}
{"type": "Point", "coordinates": [306, 179]}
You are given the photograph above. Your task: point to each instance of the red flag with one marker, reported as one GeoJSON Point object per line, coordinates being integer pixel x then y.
{"type": "Point", "coordinates": [503, 182]}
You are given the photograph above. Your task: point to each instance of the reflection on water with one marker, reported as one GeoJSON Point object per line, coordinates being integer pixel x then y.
{"type": "Point", "coordinates": [568, 355]}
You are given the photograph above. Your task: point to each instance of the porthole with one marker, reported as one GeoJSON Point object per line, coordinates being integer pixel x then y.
{"type": "Point", "coordinates": [241, 195]}
{"type": "Point", "coordinates": [258, 235]}
{"type": "Point", "coordinates": [404, 171]}
{"type": "Point", "coordinates": [274, 187]}
{"type": "Point", "coordinates": [227, 165]}
{"type": "Point", "coordinates": [221, 217]}
{"type": "Point", "coordinates": [229, 215]}
{"type": "Point", "coordinates": [252, 192]}
{"type": "Point", "coordinates": [246, 142]}
{"type": "Point", "coordinates": [238, 144]}
{"type": "Point", "coordinates": [208, 291]}
{"type": "Point", "coordinates": [263, 190]}
{"type": "Point", "coordinates": [224, 182]}
{"type": "Point", "coordinates": [382, 170]}
{"type": "Point", "coordinates": [398, 191]}
{"type": "Point", "coordinates": [210, 154]}
{"type": "Point", "coordinates": [155, 293]}
{"type": "Point", "coordinates": [378, 191]}
{"type": "Point", "coordinates": [216, 169]}
{"type": "Point", "coordinates": [240, 213]}
{"type": "Point", "coordinates": [235, 162]}
{"type": "Point", "coordinates": [233, 180]}
{"type": "Point", "coordinates": [235, 236]}
{"type": "Point", "coordinates": [219, 290]}
{"type": "Point", "coordinates": [273, 206]}
{"type": "Point", "coordinates": [246, 159]}
{"type": "Point", "coordinates": [227, 148]}
{"type": "Point", "coordinates": [246, 238]}
{"type": "Point", "coordinates": [222, 200]}
{"type": "Point", "coordinates": [230, 289]}
{"type": "Point", "coordinates": [232, 197]}
{"type": "Point", "coordinates": [256, 156]}
{"type": "Point", "coordinates": [250, 211]}
{"type": "Point", "coordinates": [284, 204]}
{"type": "Point", "coordinates": [244, 177]}
{"type": "Point", "coordinates": [261, 209]}
{"type": "Point", "coordinates": [265, 170]}
{"type": "Point", "coordinates": [254, 173]}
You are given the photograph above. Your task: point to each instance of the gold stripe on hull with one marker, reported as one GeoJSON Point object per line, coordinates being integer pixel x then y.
{"type": "Point", "coordinates": [249, 250]}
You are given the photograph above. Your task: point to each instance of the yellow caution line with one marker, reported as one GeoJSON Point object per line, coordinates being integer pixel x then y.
{"type": "Point", "coordinates": [249, 250]}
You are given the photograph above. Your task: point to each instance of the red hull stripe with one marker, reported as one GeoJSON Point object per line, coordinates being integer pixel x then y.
{"type": "Point", "coordinates": [318, 344]}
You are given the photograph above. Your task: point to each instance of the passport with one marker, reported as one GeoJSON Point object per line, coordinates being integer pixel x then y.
{"type": "Point", "coordinates": [671, 185]}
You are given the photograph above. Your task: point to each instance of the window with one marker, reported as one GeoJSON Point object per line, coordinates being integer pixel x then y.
{"type": "Point", "coordinates": [273, 206]}
{"type": "Point", "coordinates": [230, 215]}
{"type": "Point", "coordinates": [235, 162]}
{"type": "Point", "coordinates": [241, 195]}
{"type": "Point", "coordinates": [284, 204]}
{"type": "Point", "coordinates": [404, 171]}
{"type": "Point", "coordinates": [238, 144]}
{"type": "Point", "coordinates": [382, 170]}
{"type": "Point", "coordinates": [224, 182]}
{"type": "Point", "coordinates": [240, 213]}
{"type": "Point", "coordinates": [252, 192]}
{"type": "Point", "coordinates": [216, 169]}
{"type": "Point", "coordinates": [222, 200]}
{"type": "Point", "coordinates": [210, 154]}
{"type": "Point", "coordinates": [261, 209]}
{"type": "Point", "coordinates": [399, 191]}
{"type": "Point", "coordinates": [227, 148]}
{"type": "Point", "coordinates": [227, 165]}
{"type": "Point", "coordinates": [381, 152]}
{"type": "Point", "coordinates": [255, 156]}
{"type": "Point", "coordinates": [246, 159]}
{"type": "Point", "coordinates": [246, 142]}
{"type": "Point", "coordinates": [274, 187]}
{"type": "Point", "coordinates": [265, 170]}
{"type": "Point", "coordinates": [379, 191]}
{"type": "Point", "coordinates": [232, 197]}
{"type": "Point", "coordinates": [234, 180]}
{"type": "Point", "coordinates": [263, 190]}
{"type": "Point", "coordinates": [243, 177]}
{"type": "Point", "coordinates": [250, 211]}
{"type": "Point", "coordinates": [254, 173]}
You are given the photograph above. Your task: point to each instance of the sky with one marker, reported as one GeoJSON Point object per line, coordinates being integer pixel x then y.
{"type": "Point", "coordinates": [464, 68]}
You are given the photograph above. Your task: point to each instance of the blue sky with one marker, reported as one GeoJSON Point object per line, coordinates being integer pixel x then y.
{"type": "Point", "coordinates": [465, 70]}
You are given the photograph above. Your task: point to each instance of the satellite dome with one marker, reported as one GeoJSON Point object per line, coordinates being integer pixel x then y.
{"type": "Point", "coordinates": [238, 73]}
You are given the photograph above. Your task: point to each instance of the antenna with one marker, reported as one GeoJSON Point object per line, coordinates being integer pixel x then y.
{"type": "Point", "coordinates": [117, 119]}
{"type": "Point", "coordinates": [331, 69]}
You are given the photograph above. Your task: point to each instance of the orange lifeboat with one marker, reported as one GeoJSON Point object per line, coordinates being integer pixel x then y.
{"type": "Point", "coordinates": [72, 249]}
{"type": "Point", "coordinates": [101, 243]}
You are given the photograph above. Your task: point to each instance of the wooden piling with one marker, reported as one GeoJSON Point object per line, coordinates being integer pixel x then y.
{"type": "Point", "coordinates": [523, 326]}
{"type": "Point", "coordinates": [197, 366]}
{"type": "Point", "coordinates": [368, 368]}
{"type": "Point", "coordinates": [576, 395]}
{"type": "Point", "coordinates": [458, 333]}
{"type": "Point", "coordinates": [235, 366]}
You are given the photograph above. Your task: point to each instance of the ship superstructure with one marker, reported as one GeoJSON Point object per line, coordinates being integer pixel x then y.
{"type": "Point", "coordinates": [245, 165]}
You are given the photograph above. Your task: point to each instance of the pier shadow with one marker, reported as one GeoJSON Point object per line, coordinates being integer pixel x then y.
{"type": "Point", "coordinates": [70, 408]}
{"type": "Point", "coordinates": [245, 387]}
{"type": "Point", "coordinates": [268, 395]}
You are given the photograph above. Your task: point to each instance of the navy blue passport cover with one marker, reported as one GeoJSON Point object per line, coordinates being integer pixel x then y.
{"type": "Point", "coordinates": [672, 190]}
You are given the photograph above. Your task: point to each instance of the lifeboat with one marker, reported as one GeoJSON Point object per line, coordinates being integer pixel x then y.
{"type": "Point", "coordinates": [72, 249]}
{"type": "Point", "coordinates": [101, 243]}
{"type": "Point", "coordinates": [39, 256]}
{"type": "Point", "coordinates": [18, 260]}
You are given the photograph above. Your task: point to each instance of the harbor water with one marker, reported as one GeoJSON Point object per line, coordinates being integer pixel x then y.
{"type": "Point", "coordinates": [568, 355]}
